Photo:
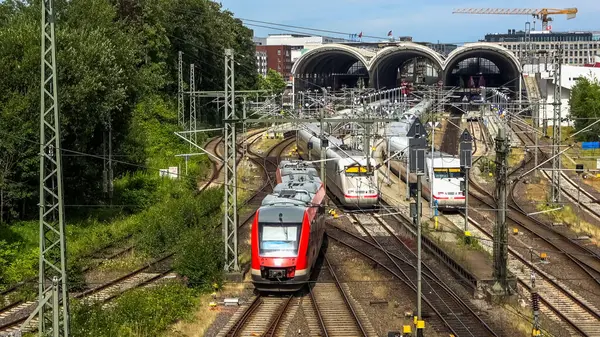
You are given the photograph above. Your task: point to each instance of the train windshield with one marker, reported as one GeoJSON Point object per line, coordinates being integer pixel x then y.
{"type": "Point", "coordinates": [443, 173]}
{"type": "Point", "coordinates": [356, 170]}
{"type": "Point", "coordinates": [279, 240]}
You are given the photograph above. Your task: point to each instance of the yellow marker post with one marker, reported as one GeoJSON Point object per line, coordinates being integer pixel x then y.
{"type": "Point", "coordinates": [415, 320]}
{"type": "Point", "coordinates": [406, 329]}
{"type": "Point", "coordinates": [468, 237]}
{"type": "Point", "coordinates": [436, 226]}
{"type": "Point", "coordinates": [420, 328]}
{"type": "Point", "coordinates": [515, 231]}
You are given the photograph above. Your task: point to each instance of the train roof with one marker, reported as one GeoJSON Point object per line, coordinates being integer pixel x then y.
{"type": "Point", "coordinates": [336, 146]}
{"type": "Point", "coordinates": [296, 167]}
{"type": "Point", "coordinates": [281, 214]}
{"type": "Point", "coordinates": [298, 190]}
{"type": "Point", "coordinates": [296, 164]}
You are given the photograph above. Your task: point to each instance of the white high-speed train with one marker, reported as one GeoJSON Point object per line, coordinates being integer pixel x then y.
{"type": "Point", "coordinates": [442, 170]}
{"type": "Point", "coordinates": [351, 178]}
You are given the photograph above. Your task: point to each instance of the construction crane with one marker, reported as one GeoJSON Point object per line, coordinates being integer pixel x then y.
{"type": "Point", "coordinates": [538, 13]}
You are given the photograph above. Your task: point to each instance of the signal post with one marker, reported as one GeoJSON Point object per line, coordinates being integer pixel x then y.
{"type": "Point", "coordinates": [417, 144]}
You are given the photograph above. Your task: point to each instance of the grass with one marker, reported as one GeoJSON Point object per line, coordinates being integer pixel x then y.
{"type": "Point", "coordinates": [127, 262]}
{"type": "Point", "coordinates": [515, 157]}
{"type": "Point", "coordinates": [265, 144]}
{"type": "Point", "coordinates": [539, 193]}
{"type": "Point", "coordinates": [137, 313]}
{"type": "Point", "coordinates": [203, 316]}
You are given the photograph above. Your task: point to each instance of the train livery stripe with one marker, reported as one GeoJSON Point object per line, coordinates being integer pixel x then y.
{"type": "Point", "coordinates": [448, 198]}
{"type": "Point", "coordinates": [360, 196]}
{"type": "Point", "coordinates": [298, 272]}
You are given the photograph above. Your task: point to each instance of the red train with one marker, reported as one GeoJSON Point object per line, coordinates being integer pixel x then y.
{"type": "Point", "coordinates": [288, 230]}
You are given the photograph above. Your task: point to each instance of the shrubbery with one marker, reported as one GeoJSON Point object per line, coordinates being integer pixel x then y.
{"type": "Point", "coordinates": [200, 258]}
{"type": "Point", "coordinates": [140, 312]}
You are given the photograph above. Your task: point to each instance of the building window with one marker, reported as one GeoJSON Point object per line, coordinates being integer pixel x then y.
{"type": "Point", "coordinates": [278, 51]}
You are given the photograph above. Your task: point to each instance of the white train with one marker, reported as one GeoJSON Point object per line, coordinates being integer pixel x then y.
{"type": "Point", "coordinates": [351, 178]}
{"type": "Point", "coordinates": [447, 177]}
{"type": "Point", "coordinates": [443, 170]}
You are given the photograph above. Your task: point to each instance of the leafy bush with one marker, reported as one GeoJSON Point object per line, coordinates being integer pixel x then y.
{"type": "Point", "coordinates": [17, 263]}
{"type": "Point", "coordinates": [137, 191]}
{"type": "Point", "coordinates": [141, 312]}
{"type": "Point", "coordinates": [200, 258]}
{"type": "Point", "coordinates": [168, 222]}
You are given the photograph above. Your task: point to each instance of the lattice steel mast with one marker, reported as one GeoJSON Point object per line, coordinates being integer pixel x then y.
{"type": "Point", "coordinates": [192, 126]}
{"type": "Point", "coordinates": [53, 305]}
{"type": "Point", "coordinates": [556, 134]}
{"type": "Point", "coordinates": [180, 103]}
{"type": "Point", "coordinates": [230, 158]}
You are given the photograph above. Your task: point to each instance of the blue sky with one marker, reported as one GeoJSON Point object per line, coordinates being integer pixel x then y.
{"type": "Point", "coordinates": [425, 20]}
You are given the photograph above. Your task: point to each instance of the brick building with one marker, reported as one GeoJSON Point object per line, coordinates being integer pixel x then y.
{"type": "Point", "coordinates": [279, 58]}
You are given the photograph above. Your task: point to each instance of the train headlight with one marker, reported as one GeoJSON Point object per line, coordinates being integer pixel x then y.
{"type": "Point", "coordinates": [278, 262]}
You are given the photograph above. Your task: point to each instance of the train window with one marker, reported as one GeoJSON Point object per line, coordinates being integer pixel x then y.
{"type": "Point", "coordinates": [440, 173]}
{"type": "Point", "coordinates": [443, 173]}
{"type": "Point", "coordinates": [454, 173]}
{"type": "Point", "coordinates": [279, 239]}
{"type": "Point", "coordinates": [356, 170]}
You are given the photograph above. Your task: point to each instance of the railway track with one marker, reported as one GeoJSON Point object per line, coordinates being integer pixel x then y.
{"type": "Point", "coordinates": [479, 138]}
{"type": "Point", "coordinates": [326, 304]}
{"type": "Point", "coordinates": [138, 278]}
{"type": "Point", "coordinates": [334, 309]}
{"type": "Point", "coordinates": [586, 200]}
{"type": "Point", "coordinates": [378, 242]}
{"type": "Point", "coordinates": [579, 196]}
{"type": "Point", "coordinates": [263, 316]}
{"type": "Point", "coordinates": [450, 139]}
{"type": "Point", "coordinates": [557, 301]}
{"type": "Point", "coordinates": [15, 313]}
{"type": "Point", "coordinates": [583, 257]}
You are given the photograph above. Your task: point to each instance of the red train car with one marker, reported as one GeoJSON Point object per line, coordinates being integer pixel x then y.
{"type": "Point", "coordinates": [287, 234]}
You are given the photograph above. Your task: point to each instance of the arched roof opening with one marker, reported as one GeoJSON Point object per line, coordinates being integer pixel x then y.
{"type": "Point", "coordinates": [331, 65]}
{"type": "Point", "coordinates": [388, 62]}
{"type": "Point", "coordinates": [482, 64]}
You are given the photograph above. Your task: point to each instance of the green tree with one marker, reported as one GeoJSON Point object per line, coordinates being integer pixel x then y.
{"type": "Point", "coordinates": [273, 82]}
{"type": "Point", "coordinates": [115, 59]}
{"type": "Point", "coordinates": [585, 107]}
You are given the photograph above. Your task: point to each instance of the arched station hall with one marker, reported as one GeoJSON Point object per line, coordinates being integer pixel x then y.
{"type": "Point", "coordinates": [466, 68]}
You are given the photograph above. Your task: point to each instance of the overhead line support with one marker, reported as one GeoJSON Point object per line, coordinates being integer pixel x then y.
{"type": "Point", "coordinates": [53, 300]}
{"type": "Point", "coordinates": [229, 165]}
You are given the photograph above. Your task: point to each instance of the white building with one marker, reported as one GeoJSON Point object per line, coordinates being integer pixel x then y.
{"type": "Point", "coordinates": [569, 76]}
